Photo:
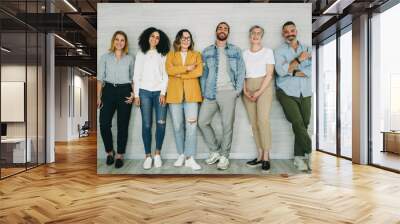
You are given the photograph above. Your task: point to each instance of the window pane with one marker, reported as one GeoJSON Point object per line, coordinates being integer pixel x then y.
{"type": "Point", "coordinates": [327, 97]}
{"type": "Point", "coordinates": [385, 89]}
{"type": "Point", "coordinates": [31, 97]}
{"type": "Point", "coordinates": [41, 98]}
{"type": "Point", "coordinates": [14, 153]}
{"type": "Point", "coordinates": [346, 94]}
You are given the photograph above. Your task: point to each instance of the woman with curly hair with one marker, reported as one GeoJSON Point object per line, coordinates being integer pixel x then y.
{"type": "Point", "coordinates": [150, 86]}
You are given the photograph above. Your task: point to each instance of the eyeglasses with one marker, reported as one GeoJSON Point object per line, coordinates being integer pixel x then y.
{"type": "Point", "coordinates": [185, 38]}
{"type": "Point", "coordinates": [256, 33]}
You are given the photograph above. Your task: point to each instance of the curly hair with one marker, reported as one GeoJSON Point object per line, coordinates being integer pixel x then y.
{"type": "Point", "coordinates": [162, 47]}
{"type": "Point", "coordinates": [179, 35]}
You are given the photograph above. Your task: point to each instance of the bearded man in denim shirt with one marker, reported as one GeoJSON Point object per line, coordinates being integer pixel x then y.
{"type": "Point", "coordinates": [293, 90]}
{"type": "Point", "coordinates": [221, 84]}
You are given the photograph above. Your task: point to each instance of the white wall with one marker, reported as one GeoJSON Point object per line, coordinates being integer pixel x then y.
{"type": "Point", "coordinates": [16, 73]}
{"type": "Point", "coordinates": [80, 98]}
{"type": "Point", "coordinates": [201, 20]}
{"type": "Point", "coordinates": [68, 82]}
{"type": "Point", "coordinates": [61, 105]}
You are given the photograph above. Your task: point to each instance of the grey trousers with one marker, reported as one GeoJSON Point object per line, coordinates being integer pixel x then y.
{"type": "Point", "coordinates": [225, 104]}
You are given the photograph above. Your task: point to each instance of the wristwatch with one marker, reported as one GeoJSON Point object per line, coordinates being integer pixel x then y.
{"type": "Point", "coordinates": [294, 72]}
{"type": "Point", "coordinates": [298, 61]}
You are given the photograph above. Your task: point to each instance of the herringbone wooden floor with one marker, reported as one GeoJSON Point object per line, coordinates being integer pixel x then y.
{"type": "Point", "coordinates": [70, 191]}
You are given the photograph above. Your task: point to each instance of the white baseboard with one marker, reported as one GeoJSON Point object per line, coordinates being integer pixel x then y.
{"type": "Point", "coordinates": [205, 155]}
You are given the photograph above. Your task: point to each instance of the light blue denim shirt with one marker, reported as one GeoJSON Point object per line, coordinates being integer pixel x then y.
{"type": "Point", "coordinates": [236, 69]}
{"type": "Point", "coordinates": [115, 71]}
{"type": "Point", "coordinates": [292, 86]}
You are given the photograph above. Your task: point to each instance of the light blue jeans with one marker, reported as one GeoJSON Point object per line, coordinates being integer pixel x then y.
{"type": "Point", "coordinates": [184, 119]}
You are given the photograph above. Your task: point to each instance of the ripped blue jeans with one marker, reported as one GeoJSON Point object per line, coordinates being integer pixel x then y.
{"type": "Point", "coordinates": [184, 119]}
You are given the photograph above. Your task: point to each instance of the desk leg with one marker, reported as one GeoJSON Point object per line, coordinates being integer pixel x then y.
{"type": "Point", "coordinates": [384, 143]}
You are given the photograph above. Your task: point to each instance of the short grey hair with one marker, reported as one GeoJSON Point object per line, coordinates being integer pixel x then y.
{"type": "Point", "coordinates": [255, 27]}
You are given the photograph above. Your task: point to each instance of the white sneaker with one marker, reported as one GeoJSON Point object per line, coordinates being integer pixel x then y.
{"type": "Point", "coordinates": [213, 158]}
{"type": "Point", "coordinates": [147, 163]}
{"type": "Point", "coordinates": [223, 163]}
{"type": "Point", "coordinates": [180, 160]}
{"type": "Point", "coordinates": [299, 163]}
{"type": "Point", "coordinates": [157, 161]}
{"type": "Point", "coordinates": [192, 164]}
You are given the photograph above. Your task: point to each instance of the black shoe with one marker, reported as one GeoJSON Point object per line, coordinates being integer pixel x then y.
{"type": "Point", "coordinates": [254, 163]}
{"type": "Point", "coordinates": [265, 165]}
{"type": "Point", "coordinates": [110, 158]}
{"type": "Point", "coordinates": [119, 163]}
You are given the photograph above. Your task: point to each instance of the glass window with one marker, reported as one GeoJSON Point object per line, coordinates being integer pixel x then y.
{"type": "Point", "coordinates": [385, 84]}
{"type": "Point", "coordinates": [41, 98]}
{"type": "Point", "coordinates": [31, 96]}
{"type": "Point", "coordinates": [22, 93]}
{"type": "Point", "coordinates": [327, 97]}
{"type": "Point", "coordinates": [346, 94]}
{"type": "Point", "coordinates": [15, 150]}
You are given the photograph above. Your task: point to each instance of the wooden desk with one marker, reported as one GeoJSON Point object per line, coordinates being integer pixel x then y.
{"type": "Point", "coordinates": [16, 146]}
{"type": "Point", "coordinates": [391, 141]}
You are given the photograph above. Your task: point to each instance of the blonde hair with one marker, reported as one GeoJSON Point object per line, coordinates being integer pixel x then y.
{"type": "Point", "coordinates": [119, 32]}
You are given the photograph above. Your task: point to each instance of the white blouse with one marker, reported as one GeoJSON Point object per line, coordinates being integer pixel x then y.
{"type": "Point", "coordinates": [150, 73]}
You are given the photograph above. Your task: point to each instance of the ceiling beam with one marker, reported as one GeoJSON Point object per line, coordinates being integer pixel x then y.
{"type": "Point", "coordinates": [84, 24]}
{"type": "Point", "coordinates": [81, 61]}
{"type": "Point", "coordinates": [337, 7]}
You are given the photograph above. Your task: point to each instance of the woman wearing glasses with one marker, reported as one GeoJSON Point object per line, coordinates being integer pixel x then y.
{"type": "Point", "coordinates": [184, 67]}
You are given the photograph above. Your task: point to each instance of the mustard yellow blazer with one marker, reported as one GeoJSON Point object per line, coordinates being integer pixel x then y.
{"type": "Point", "coordinates": [183, 85]}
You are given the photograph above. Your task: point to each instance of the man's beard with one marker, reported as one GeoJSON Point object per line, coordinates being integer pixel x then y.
{"type": "Point", "coordinates": [222, 38]}
{"type": "Point", "coordinates": [291, 38]}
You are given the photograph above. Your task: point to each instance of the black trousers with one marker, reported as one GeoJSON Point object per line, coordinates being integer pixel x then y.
{"type": "Point", "coordinates": [113, 99]}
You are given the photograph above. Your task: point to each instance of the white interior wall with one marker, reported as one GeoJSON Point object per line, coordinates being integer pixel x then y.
{"type": "Point", "coordinates": [61, 105]}
{"type": "Point", "coordinates": [15, 73]}
{"type": "Point", "coordinates": [68, 80]}
{"type": "Point", "coordinates": [80, 88]}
